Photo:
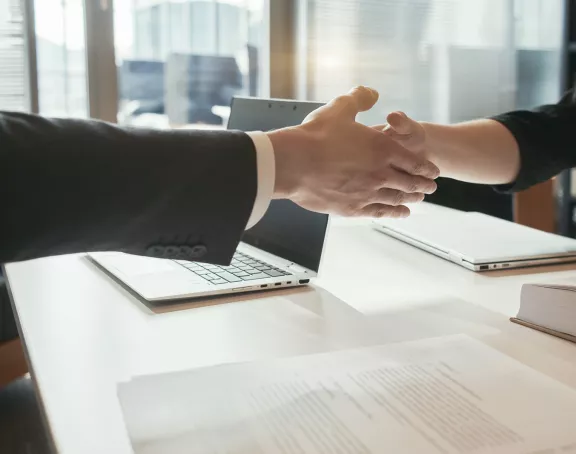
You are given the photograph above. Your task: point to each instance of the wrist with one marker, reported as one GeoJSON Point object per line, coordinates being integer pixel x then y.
{"type": "Point", "coordinates": [291, 155]}
{"type": "Point", "coordinates": [437, 140]}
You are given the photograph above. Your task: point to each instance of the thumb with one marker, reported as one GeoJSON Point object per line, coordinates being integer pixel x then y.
{"type": "Point", "coordinates": [363, 99]}
{"type": "Point", "coordinates": [407, 132]}
{"type": "Point", "coordinates": [401, 124]}
{"type": "Point", "coordinates": [347, 106]}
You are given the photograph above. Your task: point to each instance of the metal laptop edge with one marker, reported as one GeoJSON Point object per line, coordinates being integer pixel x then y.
{"type": "Point", "coordinates": [457, 258]}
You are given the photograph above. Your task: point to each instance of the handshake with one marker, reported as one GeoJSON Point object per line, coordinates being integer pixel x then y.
{"type": "Point", "coordinates": [333, 164]}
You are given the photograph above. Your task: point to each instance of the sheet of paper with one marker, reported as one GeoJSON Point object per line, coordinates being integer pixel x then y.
{"type": "Point", "coordinates": [443, 395]}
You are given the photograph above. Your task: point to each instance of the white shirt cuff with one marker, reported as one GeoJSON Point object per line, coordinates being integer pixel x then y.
{"type": "Point", "coordinates": [266, 169]}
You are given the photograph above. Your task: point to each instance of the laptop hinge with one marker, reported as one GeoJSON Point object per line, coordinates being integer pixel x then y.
{"type": "Point", "coordinates": [297, 268]}
{"type": "Point", "coordinates": [454, 257]}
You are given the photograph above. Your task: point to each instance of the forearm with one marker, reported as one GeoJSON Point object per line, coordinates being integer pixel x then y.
{"type": "Point", "coordinates": [481, 151]}
{"type": "Point", "coordinates": [75, 186]}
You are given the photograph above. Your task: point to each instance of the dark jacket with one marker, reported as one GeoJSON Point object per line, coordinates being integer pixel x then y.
{"type": "Point", "coordinates": [75, 186]}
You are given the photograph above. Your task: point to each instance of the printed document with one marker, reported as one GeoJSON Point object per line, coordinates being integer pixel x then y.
{"type": "Point", "coordinates": [445, 395]}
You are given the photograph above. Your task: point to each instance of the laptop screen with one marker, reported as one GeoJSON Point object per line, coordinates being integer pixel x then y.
{"type": "Point", "coordinates": [286, 230]}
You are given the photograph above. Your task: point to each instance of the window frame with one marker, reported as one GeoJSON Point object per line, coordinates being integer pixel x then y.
{"type": "Point", "coordinates": [278, 61]}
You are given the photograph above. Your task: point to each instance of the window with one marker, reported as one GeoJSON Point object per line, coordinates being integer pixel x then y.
{"type": "Point", "coordinates": [438, 60]}
{"type": "Point", "coordinates": [181, 61]}
{"type": "Point", "coordinates": [13, 94]}
{"type": "Point", "coordinates": [61, 58]}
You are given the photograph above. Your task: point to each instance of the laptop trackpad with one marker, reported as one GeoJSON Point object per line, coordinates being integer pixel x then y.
{"type": "Point", "coordinates": [153, 278]}
{"type": "Point", "coordinates": [133, 265]}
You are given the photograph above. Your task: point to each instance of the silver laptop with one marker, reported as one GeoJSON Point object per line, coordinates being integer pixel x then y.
{"type": "Point", "coordinates": [479, 242]}
{"type": "Point", "coordinates": [283, 250]}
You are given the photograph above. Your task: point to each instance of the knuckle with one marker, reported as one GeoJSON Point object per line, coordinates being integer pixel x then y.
{"type": "Point", "coordinates": [381, 180]}
{"type": "Point", "coordinates": [381, 212]}
{"type": "Point", "coordinates": [352, 209]}
{"type": "Point", "coordinates": [414, 186]}
{"type": "Point", "coordinates": [418, 168]}
{"type": "Point", "coordinates": [398, 198]}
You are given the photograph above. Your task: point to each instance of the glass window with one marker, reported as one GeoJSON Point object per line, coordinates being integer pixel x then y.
{"type": "Point", "coordinates": [13, 95]}
{"type": "Point", "coordinates": [181, 61]}
{"type": "Point", "coordinates": [438, 60]}
{"type": "Point", "coordinates": [61, 58]}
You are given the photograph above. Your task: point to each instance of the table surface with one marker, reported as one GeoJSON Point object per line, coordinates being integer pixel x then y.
{"type": "Point", "coordinates": [84, 333]}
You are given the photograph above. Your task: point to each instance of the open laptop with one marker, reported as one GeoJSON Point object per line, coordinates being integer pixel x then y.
{"type": "Point", "coordinates": [283, 250]}
{"type": "Point", "coordinates": [479, 242]}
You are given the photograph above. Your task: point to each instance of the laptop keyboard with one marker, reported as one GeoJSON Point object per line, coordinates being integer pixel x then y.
{"type": "Point", "coordinates": [243, 268]}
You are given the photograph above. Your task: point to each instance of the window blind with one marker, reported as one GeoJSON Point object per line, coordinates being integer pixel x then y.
{"type": "Point", "coordinates": [12, 56]}
{"type": "Point", "coordinates": [438, 60]}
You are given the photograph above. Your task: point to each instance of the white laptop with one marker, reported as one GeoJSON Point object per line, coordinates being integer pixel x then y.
{"type": "Point", "coordinates": [283, 250]}
{"type": "Point", "coordinates": [479, 242]}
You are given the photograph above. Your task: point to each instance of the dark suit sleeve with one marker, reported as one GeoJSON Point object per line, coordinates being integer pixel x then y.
{"type": "Point", "coordinates": [74, 186]}
{"type": "Point", "coordinates": [546, 137]}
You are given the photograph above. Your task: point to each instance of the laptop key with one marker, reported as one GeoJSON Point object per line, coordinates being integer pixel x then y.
{"type": "Point", "coordinates": [189, 264]}
{"type": "Point", "coordinates": [202, 272]}
{"type": "Point", "coordinates": [241, 274]}
{"type": "Point", "coordinates": [262, 267]}
{"type": "Point", "coordinates": [232, 269]}
{"type": "Point", "coordinates": [273, 273]}
{"type": "Point", "coordinates": [229, 277]}
{"type": "Point", "coordinates": [253, 271]}
{"type": "Point", "coordinates": [251, 277]}
{"type": "Point", "coordinates": [210, 276]}
{"type": "Point", "coordinates": [219, 281]}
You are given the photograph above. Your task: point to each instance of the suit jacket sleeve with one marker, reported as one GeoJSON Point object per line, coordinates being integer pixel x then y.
{"type": "Point", "coordinates": [74, 186]}
{"type": "Point", "coordinates": [546, 138]}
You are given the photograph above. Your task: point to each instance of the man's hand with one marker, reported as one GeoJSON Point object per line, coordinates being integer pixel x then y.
{"type": "Point", "coordinates": [332, 164]}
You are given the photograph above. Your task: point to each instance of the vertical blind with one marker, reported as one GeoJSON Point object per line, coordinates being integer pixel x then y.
{"type": "Point", "coordinates": [12, 56]}
{"type": "Point", "coordinates": [438, 60]}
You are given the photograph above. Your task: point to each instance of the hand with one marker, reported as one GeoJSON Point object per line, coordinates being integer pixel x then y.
{"type": "Point", "coordinates": [406, 132]}
{"type": "Point", "coordinates": [333, 164]}
{"type": "Point", "coordinates": [481, 151]}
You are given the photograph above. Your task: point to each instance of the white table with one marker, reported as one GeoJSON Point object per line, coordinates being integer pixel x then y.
{"type": "Point", "coordinates": [84, 333]}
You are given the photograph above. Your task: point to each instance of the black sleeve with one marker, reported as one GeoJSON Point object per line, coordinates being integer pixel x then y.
{"type": "Point", "coordinates": [75, 186]}
{"type": "Point", "coordinates": [546, 137]}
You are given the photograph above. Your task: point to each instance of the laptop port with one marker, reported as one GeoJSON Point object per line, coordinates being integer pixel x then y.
{"type": "Point", "coordinates": [289, 282]}
{"type": "Point", "coordinates": [264, 285]}
{"type": "Point", "coordinates": [484, 267]}
{"type": "Point", "coordinates": [278, 283]}
{"type": "Point", "coordinates": [304, 281]}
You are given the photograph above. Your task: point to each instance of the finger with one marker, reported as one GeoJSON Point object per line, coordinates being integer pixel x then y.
{"type": "Point", "coordinates": [414, 165]}
{"type": "Point", "coordinates": [400, 123]}
{"type": "Point", "coordinates": [409, 133]}
{"type": "Point", "coordinates": [404, 182]}
{"type": "Point", "coordinates": [357, 100]}
{"type": "Point", "coordinates": [394, 197]}
{"type": "Point", "coordinates": [378, 210]}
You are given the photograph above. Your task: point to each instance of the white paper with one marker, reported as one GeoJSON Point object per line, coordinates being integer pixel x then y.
{"type": "Point", "coordinates": [444, 395]}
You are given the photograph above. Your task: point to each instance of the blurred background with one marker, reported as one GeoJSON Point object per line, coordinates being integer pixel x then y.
{"type": "Point", "coordinates": [177, 63]}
